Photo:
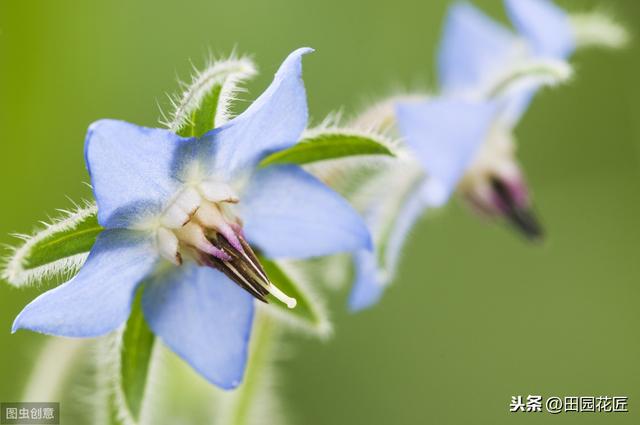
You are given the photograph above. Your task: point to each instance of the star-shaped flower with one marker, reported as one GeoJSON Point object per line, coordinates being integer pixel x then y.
{"type": "Point", "coordinates": [183, 217]}
{"type": "Point", "coordinates": [474, 54]}
{"type": "Point", "coordinates": [463, 138]}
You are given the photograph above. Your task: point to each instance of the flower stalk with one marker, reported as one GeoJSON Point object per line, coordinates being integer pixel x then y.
{"type": "Point", "coordinates": [241, 406]}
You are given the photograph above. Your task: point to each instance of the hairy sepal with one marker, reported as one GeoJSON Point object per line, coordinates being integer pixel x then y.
{"type": "Point", "coordinates": [310, 315]}
{"type": "Point", "coordinates": [598, 29]}
{"type": "Point", "coordinates": [346, 174]}
{"type": "Point", "coordinates": [329, 144]}
{"type": "Point", "coordinates": [55, 252]}
{"type": "Point", "coordinates": [205, 102]}
{"type": "Point", "coordinates": [532, 72]}
{"type": "Point", "coordinates": [135, 359]}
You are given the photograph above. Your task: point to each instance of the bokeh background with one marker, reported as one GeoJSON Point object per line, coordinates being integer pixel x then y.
{"type": "Point", "coordinates": [477, 314]}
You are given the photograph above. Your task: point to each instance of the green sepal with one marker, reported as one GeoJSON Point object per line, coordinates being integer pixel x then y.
{"type": "Point", "coordinates": [67, 243]}
{"type": "Point", "coordinates": [55, 252]}
{"type": "Point", "coordinates": [135, 358]}
{"type": "Point", "coordinates": [205, 102]}
{"type": "Point", "coordinates": [328, 145]}
{"type": "Point", "coordinates": [202, 119]}
{"type": "Point", "coordinates": [307, 312]}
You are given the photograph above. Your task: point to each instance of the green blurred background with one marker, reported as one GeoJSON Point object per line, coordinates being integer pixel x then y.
{"type": "Point", "coordinates": [477, 314]}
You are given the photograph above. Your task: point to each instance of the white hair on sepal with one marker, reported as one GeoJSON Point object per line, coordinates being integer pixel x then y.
{"type": "Point", "coordinates": [331, 272]}
{"type": "Point", "coordinates": [344, 174]}
{"type": "Point", "coordinates": [526, 73]}
{"type": "Point", "coordinates": [323, 329]}
{"type": "Point", "coordinates": [598, 28]}
{"type": "Point", "coordinates": [17, 274]}
{"type": "Point", "coordinates": [332, 125]}
{"type": "Point", "coordinates": [108, 393]}
{"type": "Point", "coordinates": [380, 115]}
{"type": "Point", "coordinates": [110, 397]}
{"type": "Point", "coordinates": [268, 405]}
{"type": "Point", "coordinates": [229, 73]}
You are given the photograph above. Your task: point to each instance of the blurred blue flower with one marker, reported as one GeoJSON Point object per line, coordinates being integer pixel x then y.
{"type": "Point", "coordinates": [443, 135]}
{"type": "Point", "coordinates": [475, 49]}
{"type": "Point", "coordinates": [463, 139]}
{"type": "Point", "coordinates": [181, 218]}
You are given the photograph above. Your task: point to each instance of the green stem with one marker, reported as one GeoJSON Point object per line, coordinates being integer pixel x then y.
{"type": "Point", "coordinates": [55, 363]}
{"type": "Point", "coordinates": [243, 399]}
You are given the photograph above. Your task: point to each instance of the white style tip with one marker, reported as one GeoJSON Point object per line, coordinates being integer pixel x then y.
{"type": "Point", "coordinates": [287, 300]}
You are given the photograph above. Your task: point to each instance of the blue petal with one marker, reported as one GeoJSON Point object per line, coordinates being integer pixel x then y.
{"type": "Point", "coordinates": [473, 48]}
{"type": "Point", "coordinates": [445, 135]}
{"type": "Point", "coordinates": [374, 272]}
{"type": "Point", "coordinates": [544, 24]}
{"type": "Point", "coordinates": [516, 104]}
{"type": "Point", "coordinates": [273, 122]}
{"type": "Point", "coordinates": [98, 299]}
{"type": "Point", "coordinates": [289, 213]}
{"type": "Point", "coordinates": [132, 169]}
{"type": "Point", "coordinates": [204, 318]}
{"type": "Point", "coordinates": [369, 284]}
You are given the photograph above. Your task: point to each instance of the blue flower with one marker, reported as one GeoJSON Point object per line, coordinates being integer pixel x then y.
{"type": "Point", "coordinates": [475, 50]}
{"type": "Point", "coordinates": [183, 217]}
{"type": "Point", "coordinates": [462, 139]}
{"type": "Point", "coordinates": [443, 136]}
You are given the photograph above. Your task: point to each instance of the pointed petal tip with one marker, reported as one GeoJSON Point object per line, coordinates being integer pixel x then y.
{"type": "Point", "coordinates": [436, 194]}
{"type": "Point", "coordinates": [225, 386]}
{"type": "Point", "coordinates": [369, 283]}
{"type": "Point", "coordinates": [19, 323]}
{"type": "Point", "coordinates": [293, 62]}
{"type": "Point", "coordinates": [543, 23]}
{"type": "Point", "coordinates": [103, 121]}
{"type": "Point", "coordinates": [16, 326]}
{"type": "Point", "coordinates": [217, 313]}
{"type": "Point", "coordinates": [302, 51]}
{"type": "Point", "coordinates": [360, 301]}
{"type": "Point", "coordinates": [356, 307]}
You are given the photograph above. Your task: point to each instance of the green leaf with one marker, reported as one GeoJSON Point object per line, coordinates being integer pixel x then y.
{"type": "Point", "coordinates": [135, 358]}
{"type": "Point", "coordinates": [55, 251]}
{"type": "Point", "coordinates": [328, 145]}
{"type": "Point", "coordinates": [307, 312]}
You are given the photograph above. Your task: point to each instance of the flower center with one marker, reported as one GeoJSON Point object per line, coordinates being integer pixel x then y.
{"type": "Point", "coordinates": [200, 224]}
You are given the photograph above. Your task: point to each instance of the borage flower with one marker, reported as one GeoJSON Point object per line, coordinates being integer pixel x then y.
{"type": "Point", "coordinates": [441, 138]}
{"type": "Point", "coordinates": [463, 139]}
{"type": "Point", "coordinates": [183, 218]}
{"type": "Point", "coordinates": [475, 54]}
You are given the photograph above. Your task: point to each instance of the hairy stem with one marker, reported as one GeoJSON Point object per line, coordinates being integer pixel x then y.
{"type": "Point", "coordinates": [55, 362]}
{"type": "Point", "coordinates": [242, 402]}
